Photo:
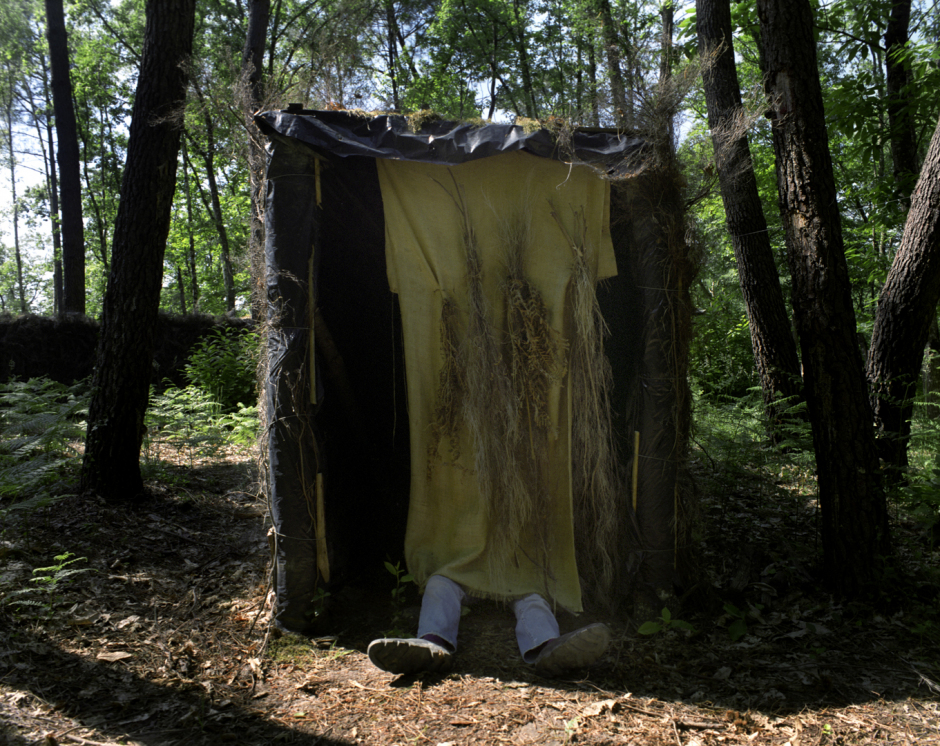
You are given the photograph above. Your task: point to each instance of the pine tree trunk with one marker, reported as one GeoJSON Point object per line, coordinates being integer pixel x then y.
{"type": "Point", "coordinates": [16, 206]}
{"type": "Point", "coordinates": [900, 119]}
{"type": "Point", "coordinates": [854, 516]}
{"type": "Point", "coordinates": [208, 158]}
{"type": "Point", "coordinates": [612, 50]}
{"type": "Point", "coordinates": [906, 308]}
{"type": "Point", "coordinates": [121, 383]}
{"type": "Point", "coordinates": [771, 339]}
{"type": "Point", "coordinates": [56, 225]}
{"type": "Point", "coordinates": [252, 56]}
{"type": "Point", "coordinates": [73, 230]}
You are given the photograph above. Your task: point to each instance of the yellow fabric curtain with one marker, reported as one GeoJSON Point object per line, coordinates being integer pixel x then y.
{"type": "Point", "coordinates": [447, 527]}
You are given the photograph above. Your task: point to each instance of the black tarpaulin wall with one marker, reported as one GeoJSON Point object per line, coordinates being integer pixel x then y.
{"type": "Point", "coordinates": [345, 419]}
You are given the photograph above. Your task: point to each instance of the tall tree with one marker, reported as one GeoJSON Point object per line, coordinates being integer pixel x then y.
{"type": "Point", "coordinates": [769, 323]}
{"type": "Point", "coordinates": [855, 534]}
{"type": "Point", "coordinates": [623, 109]}
{"type": "Point", "coordinates": [252, 56]}
{"type": "Point", "coordinates": [900, 116]}
{"type": "Point", "coordinates": [906, 308]}
{"type": "Point", "coordinates": [73, 230]}
{"type": "Point", "coordinates": [121, 383]}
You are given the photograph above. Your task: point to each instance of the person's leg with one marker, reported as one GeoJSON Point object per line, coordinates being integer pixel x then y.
{"type": "Point", "coordinates": [437, 633]}
{"type": "Point", "coordinates": [552, 654]}
{"type": "Point", "coordinates": [440, 611]}
{"type": "Point", "coordinates": [535, 625]}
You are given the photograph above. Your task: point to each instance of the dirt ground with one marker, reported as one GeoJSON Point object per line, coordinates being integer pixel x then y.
{"type": "Point", "coordinates": [165, 641]}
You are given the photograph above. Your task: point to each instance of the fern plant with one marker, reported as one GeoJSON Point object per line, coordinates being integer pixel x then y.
{"type": "Point", "coordinates": [46, 595]}
{"type": "Point", "coordinates": [223, 364]}
{"type": "Point", "coordinates": [42, 423]}
{"type": "Point", "coordinates": [187, 420]}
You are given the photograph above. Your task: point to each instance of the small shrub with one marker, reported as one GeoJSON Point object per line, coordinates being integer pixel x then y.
{"type": "Point", "coordinates": [223, 364]}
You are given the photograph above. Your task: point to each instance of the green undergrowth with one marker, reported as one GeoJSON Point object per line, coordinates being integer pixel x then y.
{"type": "Point", "coordinates": [299, 650]}
{"type": "Point", "coordinates": [739, 470]}
{"type": "Point", "coordinates": [42, 425]}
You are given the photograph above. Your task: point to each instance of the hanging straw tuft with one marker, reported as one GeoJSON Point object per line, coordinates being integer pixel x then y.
{"type": "Point", "coordinates": [596, 474]}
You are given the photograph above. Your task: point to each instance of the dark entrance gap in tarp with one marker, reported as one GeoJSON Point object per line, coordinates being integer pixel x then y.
{"type": "Point", "coordinates": [325, 228]}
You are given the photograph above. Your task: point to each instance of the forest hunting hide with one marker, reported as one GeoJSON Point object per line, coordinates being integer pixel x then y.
{"type": "Point", "coordinates": [477, 351]}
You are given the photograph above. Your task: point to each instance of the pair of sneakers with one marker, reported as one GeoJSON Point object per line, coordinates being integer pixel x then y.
{"type": "Point", "coordinates": [575, 650]}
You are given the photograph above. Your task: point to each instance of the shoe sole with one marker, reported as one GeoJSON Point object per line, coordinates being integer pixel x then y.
{"type": "Point", "coordinates": [408, 656]}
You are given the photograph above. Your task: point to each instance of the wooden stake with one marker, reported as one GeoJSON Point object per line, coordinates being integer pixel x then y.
{"type": "Point", "coordinates": [323, 557]}
{"type": "Point", "coordinates": [636, 465]}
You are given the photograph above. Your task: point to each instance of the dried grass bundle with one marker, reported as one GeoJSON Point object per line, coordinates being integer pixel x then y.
{"type": "Point", "coordinates": [490, 412]}
{"type": "Point", "coordinates": [596, 473]}
{"type": "Point", "coordinates": [452, 383]}
{"type": "Point", "coordinates": [536, 350]}
{"type": "Point", "coordinates": [537, 364]}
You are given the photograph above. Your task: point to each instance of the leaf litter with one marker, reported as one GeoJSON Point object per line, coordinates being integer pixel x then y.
{"type": "Point", "coordinates": [166, 641]}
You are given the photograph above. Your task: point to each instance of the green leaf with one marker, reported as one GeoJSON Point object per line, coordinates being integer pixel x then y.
{"type": "Point", "coordinates": [650, 628]}
{"type": "Point", "coordinates": [737, 629]}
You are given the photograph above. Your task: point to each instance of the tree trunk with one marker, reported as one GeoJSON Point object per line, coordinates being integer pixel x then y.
{"type": "Point", "coordinates": [8, 111]}
{"type": "Point", "coordinates": [902, 136]}
{"type": "Point", "coordinates": [56, 222]}
{"type": "Point", "coordinates": [252, 56]}
{"type": "Point", "coordinates": [906, 308]}
{"type": "Point", "coordinates": [121, 383]}
{"type": "Point", "coordinates": [854, 515]}
{"type": "Point", "coordinates": [191, 256]}
{"type": "Point", "coordinates": [768, 321]}
{"type": "Point", "coordinates": [47, 147]}
{"type": "Point", "coordinates": [518, 32]}
{"type": "Point", "coordinates": [612, 48]}
{"type": "Point", "coordinates": [208, 159]}
{"type": "Point", "coordinates": [73, 231]}
{"type": "Point", "coordinates": [391, 40]}
{"type": "Point", "coordinates": [667, 14]}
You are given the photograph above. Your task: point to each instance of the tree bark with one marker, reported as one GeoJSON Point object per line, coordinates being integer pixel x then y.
{"type": "Point", "coordinates": [854, 515]}
{"type": "Point", "coordinates": [901, 123]}
{"type": "Point", "coordinates": [8, 112]}
{"type": "Point", "coordinates": [121, 382]}
{"type": "Point", "coordinates": [73, 231]}
{"type": "Point", "coordinates": [518, 32]}
{"type": "Point", "coordinates": [191, 256]}
{"type": "Point", "coordinates": [612, 49]}
{"type": "Point", "coordinates": [252, 57]}
{"type": "Point", "coordinates": [215, 206]}
{"type": "Point", "coordinates": [906, 308]}
{"type": "Point", "coordinates": [771, 339]}
{"type": "Point", "coordinates": [54, 214]}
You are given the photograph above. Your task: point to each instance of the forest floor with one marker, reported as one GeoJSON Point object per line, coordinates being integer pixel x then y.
{"type": "Point", "coordinates": [165, 639]}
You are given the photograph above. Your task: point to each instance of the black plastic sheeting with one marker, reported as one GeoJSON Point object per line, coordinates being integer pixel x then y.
{"type": "Point", "coordinates": [356, 433]}
{"type": "Point", "coordinates": [343, 134]}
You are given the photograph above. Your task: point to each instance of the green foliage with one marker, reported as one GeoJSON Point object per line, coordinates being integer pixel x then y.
{"type": "Point", "coordinates": [738, 619]}
{"type": "Point", "coordinates": [403, 580]}
{"type": "Point", "coordinates": [223, 364]}
{"type": "Point", "coordinates": [41, 426]}
{"type": "Point", "coordinates": [919, 494]}
{"type": "Point", "coordinates": [665, 622]}
{"type": "Point", "coordinates": [50, 581]}
{"type": "Point", "coordinates": [187, 421]}
{"type": "Point", "coordinates": [242, 425]}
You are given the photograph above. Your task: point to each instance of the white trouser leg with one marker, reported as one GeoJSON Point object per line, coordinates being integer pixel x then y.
{"type": "Point", "coordinates": [535, 625]}
{"type": "Point", "coordinates": [440, 609]}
